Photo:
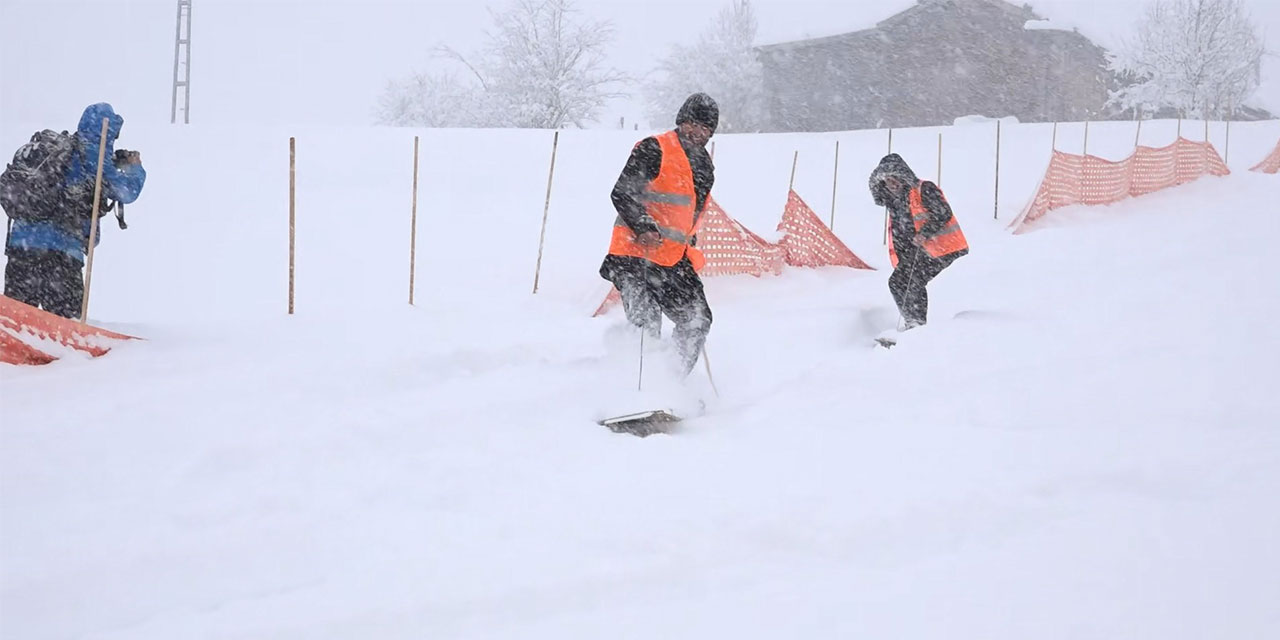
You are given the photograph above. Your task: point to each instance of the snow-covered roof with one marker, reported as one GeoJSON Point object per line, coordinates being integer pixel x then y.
{"type": "Point", "coordinates": [1044, 25]}
{"type": "Point", "coordinates": [861, 19]}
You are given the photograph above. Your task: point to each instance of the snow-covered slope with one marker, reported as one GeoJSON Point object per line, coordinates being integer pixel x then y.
{"type": "Point", "coordinates": [1082, 443]}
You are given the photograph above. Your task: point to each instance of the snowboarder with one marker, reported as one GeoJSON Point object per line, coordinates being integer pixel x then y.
{"type": "Point", "coordinates": [653, 259]}
{"type": "Point", "coordinates": [47, 193]}
{"type": "Point", "coordinates": [924, 236]}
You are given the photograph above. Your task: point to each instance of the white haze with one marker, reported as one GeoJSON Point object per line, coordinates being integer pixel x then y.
{"type": "Point", "coordinates": [325, 61]}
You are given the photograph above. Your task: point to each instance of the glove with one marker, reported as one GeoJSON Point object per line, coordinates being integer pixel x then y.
{"type": "Point", "coordinates": [649, 239]}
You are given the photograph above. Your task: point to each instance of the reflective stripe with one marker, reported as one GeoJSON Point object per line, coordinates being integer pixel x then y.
{"type": "Point", "coordinates": [673, 235]}
{"type": "Point", "coordinates": [666, 232]}
{"type": "Point", "coordinates": [951, 227]}
{"type": "Point", "coordinates": [660, 197]}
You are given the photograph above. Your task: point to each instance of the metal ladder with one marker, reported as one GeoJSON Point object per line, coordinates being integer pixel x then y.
{"type": "Point", "coordinates": [182, 63]}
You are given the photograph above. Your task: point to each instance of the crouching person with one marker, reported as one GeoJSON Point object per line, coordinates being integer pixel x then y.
{"type": "Point", "coordinates": [924, 237]}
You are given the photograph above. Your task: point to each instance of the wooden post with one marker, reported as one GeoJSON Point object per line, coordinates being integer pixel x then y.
{"type": "Point", "coordinates": [835, 175]}
{"type": "Point", "coordinates": [1137, 136]}
{"type": "Point", "coordinates": [794, 159]}
{"type": "Point", "coordinates": [292, 214]}
{"type": "Point", "coordinates": [93, 225]}
{"type": "Point", "coordinates": [886, 209]}
{"type": "Point", "coordinates": [413, 221]}
{"type": "Point", "coordinates": [1086, 137]}
{"type": "Point", "coordinates": [996, 206]}
{"type": "Point", "coordinates": [1054, 144]}
{"type": "Point", "coordinates": [1226, 152]}
{"type": "Point", "coordinates": [1204, 165]}
{"type": "Point", "coordinates": [939, 158]}
{"type": "Point", "coordinates": [1179, 127]}
{"type": "Point", "coordinates": [546, 208]}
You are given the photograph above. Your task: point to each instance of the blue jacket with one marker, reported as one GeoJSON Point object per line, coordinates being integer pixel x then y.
{"type": "Point", "coordinates": [122, 184]}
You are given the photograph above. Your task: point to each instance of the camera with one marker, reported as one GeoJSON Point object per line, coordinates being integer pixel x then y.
{"type": "Point", "coordinates": [121, 157]}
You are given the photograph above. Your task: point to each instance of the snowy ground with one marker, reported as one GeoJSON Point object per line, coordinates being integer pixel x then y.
{"type": "Point", "coordinates": [1082, 444]}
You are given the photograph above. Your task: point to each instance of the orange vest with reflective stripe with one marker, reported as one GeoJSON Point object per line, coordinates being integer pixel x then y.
{"type": "Point", "coordinates": [950, 240]}
{"type": "Point", "coordinates": [671, 201]}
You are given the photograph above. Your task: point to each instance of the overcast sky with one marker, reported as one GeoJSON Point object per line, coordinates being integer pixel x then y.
{"type": "Point", "coordinates": [325, 61]}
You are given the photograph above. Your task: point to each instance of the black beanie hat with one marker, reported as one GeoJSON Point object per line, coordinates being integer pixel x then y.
{"type": "Point", "coordinates": [699, 108]}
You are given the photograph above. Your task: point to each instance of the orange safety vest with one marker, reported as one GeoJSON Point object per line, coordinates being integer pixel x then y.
{"type": "Point", "coordinates": [948, 241]}
{"type": "Point", "coordinates": [671, 201]}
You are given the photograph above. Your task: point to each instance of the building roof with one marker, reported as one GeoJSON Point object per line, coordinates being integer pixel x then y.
{"type": "Point", "coordinates": [1023, 13]}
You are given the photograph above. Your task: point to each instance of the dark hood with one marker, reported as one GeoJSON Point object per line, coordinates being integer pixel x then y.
{"type": "Point", "coordinates": [890, 165]}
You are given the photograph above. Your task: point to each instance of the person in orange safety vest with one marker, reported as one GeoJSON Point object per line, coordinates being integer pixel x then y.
{"type": "Point", "coordinates": [653, 257]}
{"type": "Point", "coordinates": [924, 237]}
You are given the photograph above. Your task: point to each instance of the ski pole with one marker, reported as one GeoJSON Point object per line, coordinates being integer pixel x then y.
{"type": "Point", "coordinates": [706, 360]}
{"type": "Point", "coordinates": [640, 382]}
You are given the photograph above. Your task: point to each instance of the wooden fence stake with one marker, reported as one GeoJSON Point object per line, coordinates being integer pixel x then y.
{"type": "Point", "coordinates": [93, 228]}
{"type": "Point", "coordinates": [939, 159]}
{"type": "Point", "coordinates": [1204, 165]}
{"type": "Point", "coordinates": [1226, 152]}
{"type": "Point", "coordinates": [794, 159]}
{"type": "Point", "coordinates": [292, 214]}
{"type": "Point", "coordinates": [546, 207]}
{"type": "Point", "coordinates": [886, 209]}
{"type": "Point", "coordinates": [996, 206]}
{"type": "Point", "coordinates": [413, 222]}
{"type": "Point", "coordinates": [835, 175]}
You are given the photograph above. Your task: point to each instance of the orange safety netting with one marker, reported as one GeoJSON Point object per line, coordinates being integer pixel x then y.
{"type": "Point", "coordinates": [732, 249]}
{"type": "Point", "coordinates": [1073, 179]}
{"type": "Point", "coordinates": [1271, 163]}
{"type": "Point", "coordinates": [810, 243]}
{"type": "Point", "coordinates": [18, 319]}
{"type": "Point", "coordinates": [15, 351]}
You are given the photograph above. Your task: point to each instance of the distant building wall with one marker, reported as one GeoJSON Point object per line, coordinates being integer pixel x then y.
{"type": "Point", "coordinates": [937, 61]}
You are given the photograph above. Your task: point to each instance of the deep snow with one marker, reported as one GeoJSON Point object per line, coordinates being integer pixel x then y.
{"type": "Point", "coordinates": [1082, 444]}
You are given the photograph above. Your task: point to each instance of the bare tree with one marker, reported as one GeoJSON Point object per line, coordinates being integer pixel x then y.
{"type": "Point", "coordinates": [721, 63]}
{"type": "Point", "coordinates": [433, 100]}
{"type": "Point", "coordinates": [542, 67]}
{"type": "Point", "coordinates": [1198, 57]}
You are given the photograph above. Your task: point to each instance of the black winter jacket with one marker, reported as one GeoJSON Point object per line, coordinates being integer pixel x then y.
{"type": "Point", "coordinates": [642, 167]}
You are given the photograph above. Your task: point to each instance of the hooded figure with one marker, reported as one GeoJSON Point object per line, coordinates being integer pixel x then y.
{"type": "Point", "coordinates": [46, 245]}
{"type": "Point", "coordinates": [924, 237]}
{"type": "Point", "coordinates": [653, 258]}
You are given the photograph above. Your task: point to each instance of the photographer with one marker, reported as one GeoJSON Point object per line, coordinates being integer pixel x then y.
{"type": "Point", "coordinates": [47, 192]}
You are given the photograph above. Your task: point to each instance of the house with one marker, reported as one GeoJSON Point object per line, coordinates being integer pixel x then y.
{"type": "Point", "coordinates": [935, 62]}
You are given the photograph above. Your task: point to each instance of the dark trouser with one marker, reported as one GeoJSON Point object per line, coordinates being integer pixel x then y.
{"type": "Point", "coordinates": [909, 280]}
{"type": "Point", "coordinates": [649, 290]}
{"type": "Point", "coordinates": [51, 280]}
